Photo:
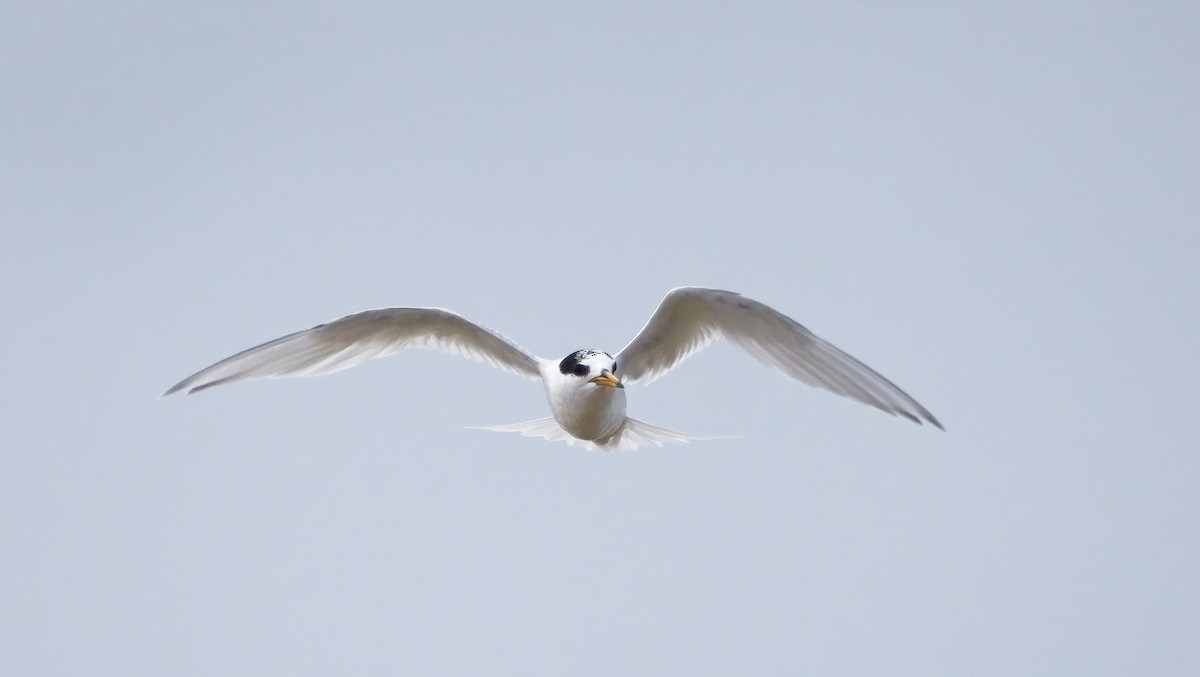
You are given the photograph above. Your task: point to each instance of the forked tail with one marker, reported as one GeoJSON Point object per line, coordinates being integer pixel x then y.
{"type": "Point", "coordinates": [634, 434]}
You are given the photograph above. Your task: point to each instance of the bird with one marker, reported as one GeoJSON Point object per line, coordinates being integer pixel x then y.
{"type": "Point", "coordinates": [586, 389]}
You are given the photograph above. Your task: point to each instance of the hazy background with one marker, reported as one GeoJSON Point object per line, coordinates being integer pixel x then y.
{"type": "Point", "coordinates": [994, 207]}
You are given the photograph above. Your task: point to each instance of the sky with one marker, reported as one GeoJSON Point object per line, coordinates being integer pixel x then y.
{"type": "Point", "coordinates": [995, 206]}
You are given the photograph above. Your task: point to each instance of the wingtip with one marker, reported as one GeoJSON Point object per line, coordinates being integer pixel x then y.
{"type": "Point", "coordinates": [181, 387]}
{"type": "Point", "coordinates": [920, 418]}
{"type": "Point", "coordinates": [926, 417]}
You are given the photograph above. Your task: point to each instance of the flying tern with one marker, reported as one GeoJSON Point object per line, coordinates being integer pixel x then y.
{"type": "Point", "coordinates": [586, 389]}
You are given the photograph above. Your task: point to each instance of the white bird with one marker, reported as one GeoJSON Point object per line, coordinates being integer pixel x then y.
{"type": "Point", "coordinates": [585, 393]}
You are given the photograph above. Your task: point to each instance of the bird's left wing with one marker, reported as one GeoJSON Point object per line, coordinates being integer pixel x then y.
{"type": "Point", "coordinates": [690, 318]}
{"type": "Point", "coordinates": [356, 338]}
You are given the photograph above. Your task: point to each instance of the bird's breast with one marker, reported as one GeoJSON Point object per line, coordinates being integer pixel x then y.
{"type": "Point", "coordinates": [588, 413]}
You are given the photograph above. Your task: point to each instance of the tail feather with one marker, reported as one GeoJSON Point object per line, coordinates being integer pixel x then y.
{"type": "Point", "coordinates": [634, 434]}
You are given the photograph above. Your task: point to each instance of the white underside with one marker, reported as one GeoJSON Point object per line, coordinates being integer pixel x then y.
{"type": "Point", "coordinates": [633, 434]}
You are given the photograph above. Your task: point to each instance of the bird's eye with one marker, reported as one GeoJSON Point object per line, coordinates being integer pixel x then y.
{"type": "Point", "coordinates": [581, 370]}
{"type": "Point", "coordinates": [614, 369]}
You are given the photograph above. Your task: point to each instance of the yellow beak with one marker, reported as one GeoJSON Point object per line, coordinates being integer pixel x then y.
{"type": "Point", "coordinates": [608, 380]}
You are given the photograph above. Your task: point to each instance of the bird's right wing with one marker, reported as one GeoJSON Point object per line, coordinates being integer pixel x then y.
{"type": "Point", "coordinates": [356, 338]}
{"type": "Point", "coordinates": [690, 318]}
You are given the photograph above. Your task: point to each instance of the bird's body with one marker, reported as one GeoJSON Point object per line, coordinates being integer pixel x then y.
{"type": "Point", "coordinates": [586, 389]}
{"type": "Point", "coordinates": [589, 406]}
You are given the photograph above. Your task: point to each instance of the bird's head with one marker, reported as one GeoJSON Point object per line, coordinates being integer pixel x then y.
{"type": "Point", "coordinates": [592, 366]}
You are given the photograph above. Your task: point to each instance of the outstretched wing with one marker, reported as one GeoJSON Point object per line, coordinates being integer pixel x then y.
{"type": "Point", "coordinates": [690, 318]}
{"type": "Point", "coordinates": [356, 338]}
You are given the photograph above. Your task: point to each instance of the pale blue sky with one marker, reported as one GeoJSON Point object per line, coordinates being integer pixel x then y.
{"type": "Point", "coordinates": [995, 207]}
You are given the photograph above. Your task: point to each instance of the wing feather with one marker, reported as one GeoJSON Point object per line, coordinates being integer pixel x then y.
{"type": "Point", "coordinates": [360, 337]}
{"type": "Point", "coordinates": [690, 318]}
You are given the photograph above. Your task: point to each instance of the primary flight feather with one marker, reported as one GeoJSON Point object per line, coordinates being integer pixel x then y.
{"type": "Point", "coordinates": [586, 389]}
